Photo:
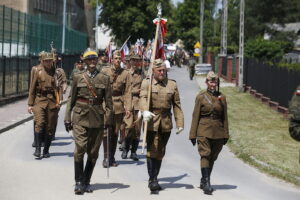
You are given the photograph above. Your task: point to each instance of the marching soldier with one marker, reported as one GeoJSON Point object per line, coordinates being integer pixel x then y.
{"type": "Point", "coordinates": [44, 101]}
{"type": "Point", "coordinates": [89, 90]}
{"type": "Point", "coordinates": [192, 64]}
{"type": "Point", "coordinates": [164, 97]}
{"type": "Point", "coordinates": [102, 61]}
{"type": "Point", "coordinates": [121, 96]}
{"type": "Point", "coordinates": [209, 127]}
{"type": "Point", "coordinates": [133, 133]}
{"type": "Point", "coordinates": [294, 116]}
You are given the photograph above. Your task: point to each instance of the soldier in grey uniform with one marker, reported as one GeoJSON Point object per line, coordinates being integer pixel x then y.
{"type": "Point", "coordinates": [88, 92]}
{"type": "Point", "coordinates": [294, 115]}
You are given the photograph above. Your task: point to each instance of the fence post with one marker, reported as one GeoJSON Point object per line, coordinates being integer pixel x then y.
{"type": "Point", "coordinates": [18, 74]}
{"type": "Point", "coordinates": [10, 35]}
{"type": "Point", "coordinates": [4, 74]}
{"type": "Point", "coordinates": [3, 21]}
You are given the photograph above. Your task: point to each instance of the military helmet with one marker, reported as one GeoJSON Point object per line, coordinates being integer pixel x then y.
{"type": "Point", "coordinates": [211, 76]}
{"type": "Point", "coordinates": [90, 54]}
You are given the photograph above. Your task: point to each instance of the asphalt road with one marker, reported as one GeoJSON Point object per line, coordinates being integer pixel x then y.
{"type": "Point", "coordinates": [23, 177]}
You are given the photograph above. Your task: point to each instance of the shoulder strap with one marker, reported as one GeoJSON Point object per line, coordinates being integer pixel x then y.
{"type": "Point", "coordinates": [89, 85]}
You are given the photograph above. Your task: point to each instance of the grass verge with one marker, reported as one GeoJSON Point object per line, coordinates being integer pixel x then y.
{"type": "Point", "coordinates": [259, 136]}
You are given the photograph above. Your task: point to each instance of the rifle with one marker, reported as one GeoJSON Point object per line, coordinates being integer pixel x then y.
{"type": "Point", "coordinates": [150, 74]}
{"type": "Point", "coordinates": [57, 88]}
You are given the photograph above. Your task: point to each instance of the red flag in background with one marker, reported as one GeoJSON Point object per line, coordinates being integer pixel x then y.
{"type": "Point", "coordinates": [108, 52]}
{"type": "Point", "coordinates": [124, 51]}
{"type": "Point", "coordinates": [160, 40]}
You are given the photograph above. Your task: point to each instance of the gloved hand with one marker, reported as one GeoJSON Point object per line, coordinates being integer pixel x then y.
{"type": "Point", "coordinates": [179, 130]}
{"type": "Point", "coordinates": [147, 115]}
{"type": "Point", "coordinates": [193, 141]}
{"type": "Point", "coordinates": [225, 141]}
{"type": "Point", "coordinates": [68, 126]}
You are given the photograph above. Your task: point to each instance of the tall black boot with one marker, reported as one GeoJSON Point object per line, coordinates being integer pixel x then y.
{"type": "Point", "coordinates": [37, 138]}
{"type": "Point", "coordinates": [157, 169]}
{"type": "Point", "coordinates": [202, 181]}
{"type": "Point", "coordinates": [48, 140]}
{"type": "Point", "coordinates": [206, 186]}
{"type": "Point", "coordinates": [78, 166]}
{"type": "Point", "coordinates": [153, 183]}
{"type": "Point", "coordinates": [134, 147]}
{"type": "Point", "coordinates": [87, 174]}
{"type": "Point", "coordinates": [126, 146]}
{"type": "Point", "coordinates": [112, 150]}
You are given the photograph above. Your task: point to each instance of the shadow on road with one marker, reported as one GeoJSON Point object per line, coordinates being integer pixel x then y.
{"type": "Point", "coordinates": [69, 154]}
{"type": "Point", "coordinates": [224, 187]}
{"type": "Point", "coordinates": [103, 186]}
{"type": "Point", "coordinates": [172, 182]}
{"type": "Point", "coordinates": [60, 143]}
{"type": "Point", "coordinates": [130, 162]}
{"type": "Point", "coordinates": [63, 138]}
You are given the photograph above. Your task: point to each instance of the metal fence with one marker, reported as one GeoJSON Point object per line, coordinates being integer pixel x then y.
{"type": "Point", "coordinates": [23, 34]}
{"type": "Point", "coordinates": [15, 73]}
{"type": "Point", "coordinates": [273, 82]}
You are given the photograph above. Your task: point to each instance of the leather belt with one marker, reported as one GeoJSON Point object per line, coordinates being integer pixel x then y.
{"type": "Point", "coordinates": [136, 95]}
{"type": "Point", "coordinates": [116, 93]}
{"type": "Point", "coordinates": [211, 116]}
{"type": "Point", "coordinates": [91, 101]}
{"type": "Point", "coordinates": [163, 111]}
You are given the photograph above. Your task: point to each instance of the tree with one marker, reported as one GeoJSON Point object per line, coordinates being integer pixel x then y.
{"type": "Point", "coordinates": [132, 17]}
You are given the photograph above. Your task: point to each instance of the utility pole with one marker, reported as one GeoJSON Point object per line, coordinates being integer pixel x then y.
{"type": "Point", "coordinates": [241, 45]}
{"type": "Point", "coordinates": [64, 28]}
{"type": "Point", "coordinates": [202, 2]}
{"type": "Point", "coordinates": [224, 29]}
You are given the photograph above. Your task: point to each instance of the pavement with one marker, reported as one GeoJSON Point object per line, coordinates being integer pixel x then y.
{"type": "Point", "coordinates": [15, 113]}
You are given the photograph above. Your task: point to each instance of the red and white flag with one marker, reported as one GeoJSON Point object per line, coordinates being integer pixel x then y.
{"type": "Point", "coordinates": [124, 51]}
{"type": "Point", "coordinates": [160, 40]}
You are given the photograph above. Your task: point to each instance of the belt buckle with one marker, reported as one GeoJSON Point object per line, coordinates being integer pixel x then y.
{"type": "Point", "coordinates": [91, 101]}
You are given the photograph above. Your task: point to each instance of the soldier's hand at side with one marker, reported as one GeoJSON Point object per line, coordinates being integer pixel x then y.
{"type": "Point", "coordinates": [225, 141]}
{"type": "Point", "coordinates": [68, 126]}
{"type": "Point", "coordinates": [193, 141]}
{"type": "Point", "coordinates": [127, 114]}
{"type": "Point", "coordinates": [29, 109]}
{"type": "Point", "coordinates": [179, 130]}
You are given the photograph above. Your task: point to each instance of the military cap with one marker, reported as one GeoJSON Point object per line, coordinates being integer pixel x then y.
{"type": "Point", "coordinates": [42, 53]}
{"type": "Point", "coordinates": [211, 76]}
{"type": "Point", "coordinates": [89, 54]}
{"type": "Point", "coordinates": [47, 56]}
{"type": "Point", "coordinates": [158, 63]}
{"type": "Point", "coordinates": [135, 57]}
{"type": "Point", "coordinates": [117, 53]}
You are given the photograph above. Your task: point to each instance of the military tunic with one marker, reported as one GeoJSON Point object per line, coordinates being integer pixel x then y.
{"type": "Point", "coordinates": [88, 113]}
{"type": "Point", "coordinates": [42, 98]}
{"type": "Point", "coordinates": [294, 115]}
{"type": "Point", "coordinates": [164, 97]}
{"type": "Point", "coordinates": [209, 126]}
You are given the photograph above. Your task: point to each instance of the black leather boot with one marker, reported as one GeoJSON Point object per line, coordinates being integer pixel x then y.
{"type": "Point", "coordinates": [134, 147]}
{"type": "Point", "coordinates": [157, 169]}
{"type": "Point", "coordinates": [79, 187]}
{"type": "Point", "coordinates": [206, 184]}
{"type": "Point", "coordinates": [105, 162]}
{"type": "Point", "coordinates": [48, 140]}
{"type": "Point", "coordinates": [87, 174]}
{"type": "Point", "coordinates": [37, 138]}
{"type": "Point", "coordinates": [153, 182]}
{"type": "Point", "coordinates": [126, 146]}
{"type": "Point", "coordinates": [112, 150]}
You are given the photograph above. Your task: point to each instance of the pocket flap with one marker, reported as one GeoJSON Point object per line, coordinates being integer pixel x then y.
{"type": "Point", "coordinates": [81, 85]}
{"type": "Point", "coordinates": [99, 86]}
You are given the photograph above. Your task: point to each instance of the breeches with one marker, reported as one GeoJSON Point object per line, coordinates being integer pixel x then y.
{"type": "Point", "coordinates": [156, 144]}
{"type": "Point", "coordinates": [45, 119]}
{"type": "Point", "coordinates": [87, 140]}
{"type": "Point", "coordinates": [134, 132]}
{"type": "Point", "coordinates": [209, 150]}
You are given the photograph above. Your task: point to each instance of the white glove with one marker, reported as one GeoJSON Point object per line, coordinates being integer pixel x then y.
{"type": "Point", "coordinates": [179, 130]}
{"type": "Point", "coordinates": [147, 115]}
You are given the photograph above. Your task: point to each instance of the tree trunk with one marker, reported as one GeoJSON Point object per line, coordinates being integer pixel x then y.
{"type": "Point", "coordinates": [90, 22]}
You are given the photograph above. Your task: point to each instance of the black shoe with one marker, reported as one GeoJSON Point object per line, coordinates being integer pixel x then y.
{"type": "Point", "coordinates": [134, 157]}
{"type": "Point", "coordinates": [37, 152]}
{"type": "Point", "coordinates": [124, 154]}
{"type": "Point", "coordinates": [48, 140]}
{"type": "Point", "coordinates": [113, 163]}
{"type": "Point", "coordinates": [46, 155]}
{"type": "Point", "coordinates": [207, 189]}
{"type": "Point", "coordinates": [37, 138]}
{"type": "Point", "coordinates": [105, 163]}
{"type": "Point", "coordinates": [78, 190]}
{"type": "Point", "coordinates": [154, 186]}
{"type": "Point", "coordinates": [88, 188]}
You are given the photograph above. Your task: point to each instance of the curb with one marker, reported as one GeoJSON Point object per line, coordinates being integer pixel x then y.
{"type": "Point", "coordinates": [2, 130]}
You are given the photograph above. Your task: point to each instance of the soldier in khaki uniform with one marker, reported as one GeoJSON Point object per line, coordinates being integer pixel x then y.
{"type": "Point", "coordinates": [89, 90]}
{"type": "Point", "coordinates": [164, 97]}
{"type": "Point", "coordinates": [209, 127]}
{"type": "Point", "coordinates": [133, 133]}
{"type": "Point", "coordinates": [294, 115]}
{"type": "Point", "coordinates": [44, 102]}
{"type": "Point", "coordinates": [121, 96]}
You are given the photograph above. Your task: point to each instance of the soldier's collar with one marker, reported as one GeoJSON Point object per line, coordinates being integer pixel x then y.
{"type": "Point", "coordinates": [93, 74]}
{"type": "Point", "coordinates": [163, 82]}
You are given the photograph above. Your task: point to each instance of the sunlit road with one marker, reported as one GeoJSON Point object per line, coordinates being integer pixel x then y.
{"type": "Point", "coordinates": [23, 177]}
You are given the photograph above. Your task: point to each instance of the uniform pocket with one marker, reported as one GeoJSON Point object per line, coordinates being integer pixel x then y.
{"type": "Point", "coordinates": [100, 90]}
{"type": "Point", "coordinates": [77, 110]}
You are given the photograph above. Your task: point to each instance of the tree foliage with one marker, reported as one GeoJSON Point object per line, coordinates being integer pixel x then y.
{"type": "Point", "coordinates": [132, 17]}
